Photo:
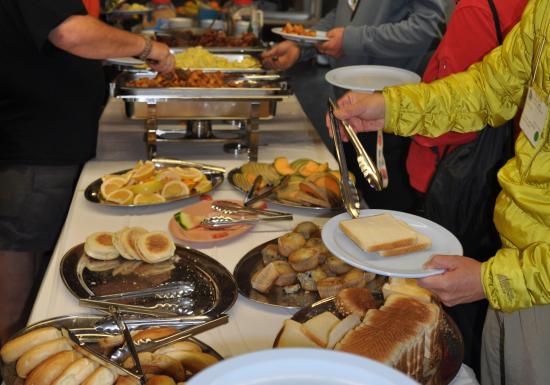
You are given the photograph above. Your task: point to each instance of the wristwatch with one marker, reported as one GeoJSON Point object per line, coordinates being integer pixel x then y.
{"type": "Point", "coordinates": [146, 50]}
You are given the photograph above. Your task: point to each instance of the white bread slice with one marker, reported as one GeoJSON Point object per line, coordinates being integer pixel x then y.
{"type": "Point", "coordinates": [423, 242]}
{"type": "Point", "coordinates": [318, 328]}
{"type": "Point", "coordinates": [410, 290]}
{"type": "Point", "coordinates": [292, 336]}
{"type": "Point", "coordinates": [341, 328]}
{"type": "Point", "coordinates": [378, 232]}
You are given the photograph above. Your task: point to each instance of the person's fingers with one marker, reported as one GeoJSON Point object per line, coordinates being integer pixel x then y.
{"type": "Point", "coordinates": [447, 262]}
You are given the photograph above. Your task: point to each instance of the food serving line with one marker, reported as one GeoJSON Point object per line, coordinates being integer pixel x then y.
{"type": "Point", "coordinates": [252, 326]}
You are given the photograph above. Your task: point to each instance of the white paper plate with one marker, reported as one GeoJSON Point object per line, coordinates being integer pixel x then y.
{"type": "Point", "coordinates": [369, 78]}
{"type": "Point", "coordinates": [321, 36]}
{"type": "Point", "coordinates": [408, 265]}
{"type": "Point", "coordinates": [299, 366]}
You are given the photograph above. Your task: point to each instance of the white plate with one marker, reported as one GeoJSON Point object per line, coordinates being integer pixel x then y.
{"type": "Point", "coordinates": [321, 36]}
{"type": "Point", "coordinates": [408, 265]}
{"type": "Point", "coordinates": [125, 61]}
{"type": "Point", "coordinates": [369, 78]}
{"type": "Point", "coordinates": [299, 366]}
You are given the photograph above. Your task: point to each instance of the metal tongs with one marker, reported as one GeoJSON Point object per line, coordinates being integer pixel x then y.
{"type": "Point", "coordinates": [369, 170]}
{"type": "Point", "coordinates": [251, 199]}
{"type": "Point", "coordinates": [229, 207]}
{"type": "Point", "coordinates": [184, 163]}
{"type": "Point", "coordinates": [221, 221]}
{"type": "Point", "coordinates": [350, 196]}
{"type": "Point", "coordinates": [123, 352]}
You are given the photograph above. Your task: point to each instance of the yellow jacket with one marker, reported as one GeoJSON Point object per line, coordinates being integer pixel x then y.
{"type": "Point", "coordinates": [518, 276]}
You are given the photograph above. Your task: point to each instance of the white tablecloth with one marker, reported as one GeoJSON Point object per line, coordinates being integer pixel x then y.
{"type": "Point", "coordinates": [251, 326]}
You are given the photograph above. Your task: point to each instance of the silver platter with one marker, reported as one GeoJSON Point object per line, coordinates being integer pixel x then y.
{"type": "Point", "coordinates": [450, 341]}
{"type": "Point", "coordinates": [231, 175]}
{"type": "Point", "coordinates": [252, 262]}
{"type": "Point", "coordinates": [93, 192]}
{"type": "Point", "coordinates": [214, 289]}
{"type": "Point", "coordinates": [74, 322]}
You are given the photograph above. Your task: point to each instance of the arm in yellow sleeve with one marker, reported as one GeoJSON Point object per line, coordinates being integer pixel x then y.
{"type": "Point", "coordinates": [488, 92]}
{"type": "Point", "coordinates": [515, 279]}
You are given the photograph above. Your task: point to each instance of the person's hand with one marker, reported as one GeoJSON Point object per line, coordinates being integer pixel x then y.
{"type": "Point", "coordinates": [364, 112]}
{"type": "Point", "coordinates": [161, 59]}
{"type": "Point", "coordinates": [282, 56]}
{"type": "Point", "coordinates": [333, 46]}
{"type": "Point", "coordinates": [460, 283]}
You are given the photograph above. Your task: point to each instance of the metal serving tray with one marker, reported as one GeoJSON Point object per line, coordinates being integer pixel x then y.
{"type": "Point", "coordinates": [230, 56]}
{"type": "Point", "coordinates": [9, 374]}
{"type": "Point", "coordinates": [276, 91]}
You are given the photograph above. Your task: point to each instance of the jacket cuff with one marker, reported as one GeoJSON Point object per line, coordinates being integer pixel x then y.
{"type": "Point", "coordinates": [392, 102]}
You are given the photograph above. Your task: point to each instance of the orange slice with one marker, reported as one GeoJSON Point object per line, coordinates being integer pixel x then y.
{"type": "Point", "coordinates": [151, 186]}
{"type": "Point", "coordinates": [122, 196]}
{"type": "Point", "coordinates": [203, 186]}
{"type": "Point", "coordinates": [174, 189]}
{"type": "Point", "coordinates": [148, 198]}
{"type": "Point", "coordinates": [167, 176]}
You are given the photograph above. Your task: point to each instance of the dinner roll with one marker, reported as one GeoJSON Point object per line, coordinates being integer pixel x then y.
{"type": "Point", "coordinates": [100, 376]}
{"type": "Point", "coordinates": [15, 348]}
{"type": "Point", "coordinates": [76, 372]}
{"type": "Point", "coordinates": [33, 357]}
{"type": "Point", "coordinates": [50, 369]}
{"type": "Point", "coordinates": [160, 380]}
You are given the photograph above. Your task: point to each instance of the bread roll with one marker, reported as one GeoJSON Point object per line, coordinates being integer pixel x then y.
{"type": "Point", "coordinates": [155, 246]}
{"type": "Point", "coordinates": [154, 333]}
{"type": "Point", "coordinates": [100, 246]}
{"type": "Point", "coordinates": [287, 276]}
{"type": "Point", "coordinates": [307, 229]}
{"type": "Point", "coordinates": [304, 259]}
{"type": "Point", "coordinates": [100, 376]}
{"type": "Point", "coordinates": [33, 357]}
{"type": "Point", "coordinates": [15, 348]}
{"type": "Point", "coordinates": [50, 369]}
{"type": "Point", "coordinates": [330, 286]}
{"type": "Point", "coordinates": [158, 364]}
{"type": "Point", "coordinates": [181, 345]}
{"type": "Point", "coordinates": [76, 372]}
{"type": "Point", "coordinates": [193, 361]}
{"type": "Point", "coordinates": [160, 380]}
{"type": "Point", "coordinates": [290, 242]}
{"type": "Point", "coordinates": [264, 279]}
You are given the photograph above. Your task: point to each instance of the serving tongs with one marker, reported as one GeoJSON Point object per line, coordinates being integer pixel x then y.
{"type": "Point", "coordinates": [367, 166]}
{"type": "Point", "coordinates": [169, 290]}
{"type": "Point", "coordinates": [128, 343]}
{"type": "Point", "coordinates": [350, 197]}
{"type": "Point", "coordinates": [222, 221]}
{"type": "Point", "coordinates": [123, 352]}
{"type": "Point", "coordinates": [82, 348]}
{"type": "Point", "coordinates": [185, 163]}
{"type": "Point", "coordinates": [251, 198]}
{"type": "Point", "coordinates": [229, 207]}
{"type": "Point", "coordinates": [158, 310]}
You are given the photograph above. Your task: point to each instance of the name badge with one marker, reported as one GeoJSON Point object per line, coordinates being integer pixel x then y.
{"type": "Point", "coordinates": [533, 116]}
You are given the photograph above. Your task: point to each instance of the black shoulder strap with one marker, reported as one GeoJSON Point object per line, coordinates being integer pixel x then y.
{"type": "Point", "coordinates": [496, 19]}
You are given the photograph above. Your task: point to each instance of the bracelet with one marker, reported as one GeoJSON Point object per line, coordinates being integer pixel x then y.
{"type": "Point", "coordinates": [146, 50]}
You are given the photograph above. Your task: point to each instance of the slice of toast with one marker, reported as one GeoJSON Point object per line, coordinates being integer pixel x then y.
{"type": "Point", "coordinates": [318, 328]}
{"type": "Point", "coordinates": [293, 336]}
{"type": "Point", "coordinates": [422, 243]}
{"type": "Point", "coordinates": [341, 328]}
{"type": "Point", "coordinates": [378, 232]}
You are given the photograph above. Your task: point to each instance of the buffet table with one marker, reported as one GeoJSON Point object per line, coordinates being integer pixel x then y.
{"type": "Point", "coordinates": [252, 326]}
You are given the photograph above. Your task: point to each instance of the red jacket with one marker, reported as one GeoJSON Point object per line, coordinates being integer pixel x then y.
{"type": "Point", "coordinates": [92, 6]}
{"type": "Point", "coordinates": [470, 35]}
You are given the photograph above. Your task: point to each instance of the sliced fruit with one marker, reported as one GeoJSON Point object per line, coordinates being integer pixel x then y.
{"type": "Point", "coordinates": [112, 184]}
{"type": "Point", "coordinates": [322, 167]}
{"type": "Point", "coordinates": [144, 171]}
{"type": "Point", "coordinates": [330, 183]}
{"type": "Point", "coordinates": [167, 176]}
{"type": "Point", "coordinates": [203, 186]}
{"type": "Point", "coordinates": [282, 166]}
{"type": "Point", "coordinates": [188, 221]}
{"type": "Point", "coordinates": [298, 163]}
{"type": "Point", "coordinates": [337, 175]}
{"type": "Point", "coordinates": [149, 187]}
{"type": "Point", "coordinates": [122, 196]}
{"type": "Point", "coordinates": [174, 189]}
{"type": "Point", "coordinates": [188, 173]}
{"type": "Point", "coordinates": [309, 168]}
{"type": "Point", "coordinates": [148, 198]}
{"type": "Point", "coordinates": [312, 190]}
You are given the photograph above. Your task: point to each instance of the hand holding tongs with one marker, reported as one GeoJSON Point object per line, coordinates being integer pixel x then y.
{"type": "Point", "coordinates": [369, 170]}
{"type": "Point", "coordinates": [350, 196]}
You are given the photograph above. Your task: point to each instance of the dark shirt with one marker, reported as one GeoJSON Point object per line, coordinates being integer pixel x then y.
{"type": "Point", "coordinates": [50, 100]}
